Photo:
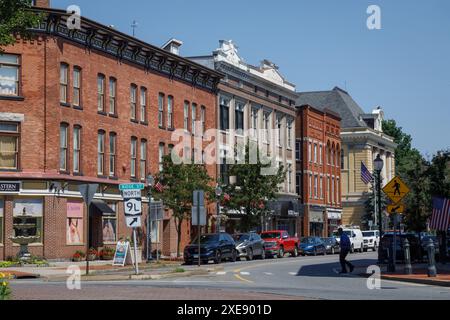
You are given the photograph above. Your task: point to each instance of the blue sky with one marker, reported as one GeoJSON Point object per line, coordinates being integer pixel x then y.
{"type": "Point", "coordinates": [404, 67]}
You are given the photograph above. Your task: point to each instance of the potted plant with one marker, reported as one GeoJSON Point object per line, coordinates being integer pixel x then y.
{"type": "Point", "coordinates": [78, 256]}
{"type": "Point", "coordinates": [92, 254]}
{"type": "Point", "coordinates": [107, 253]}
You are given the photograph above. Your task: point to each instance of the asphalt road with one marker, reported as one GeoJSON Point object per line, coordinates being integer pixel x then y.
{"type": "Point", "coordinates": [288, 278]}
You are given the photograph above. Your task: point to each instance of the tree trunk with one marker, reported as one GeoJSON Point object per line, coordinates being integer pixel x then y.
{"type": "Point", "coordinates": [178, 227]}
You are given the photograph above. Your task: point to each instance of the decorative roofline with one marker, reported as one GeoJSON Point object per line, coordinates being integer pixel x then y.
{"type": "Point", "coordinates": [126, 48]}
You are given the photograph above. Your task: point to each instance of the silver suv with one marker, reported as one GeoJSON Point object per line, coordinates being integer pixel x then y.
{"type": "Point", "coordinates": [371, 240]}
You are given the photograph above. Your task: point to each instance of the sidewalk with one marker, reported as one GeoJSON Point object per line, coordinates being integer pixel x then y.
{"type": "Point", "coordinates": [419, 274]}
{"type": "Point", "coordinates": [104, 271]}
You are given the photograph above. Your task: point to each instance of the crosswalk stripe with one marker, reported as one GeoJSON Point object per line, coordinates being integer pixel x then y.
{"type": "Point", "coordinates": [293, 273]}
{"type": "Point", "coordinates": [245, 273]}
{"type": "Point", "coordinates": [221, 273]}
{"type": "Point", "coordinates": [268, 273]}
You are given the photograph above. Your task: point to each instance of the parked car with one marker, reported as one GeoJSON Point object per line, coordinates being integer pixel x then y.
{"type": "Point", "coordinates": [214, 246]}
{"type": "Point", "coordinates": [278, 242]}
{"type": "Point", "coordinates": [312, 246]}
{"type": "Point", "coordinates": [331, 245]}
{"type": "Point", "coordinates": [249, 245]}
{"type": "Point", "coordinates": [355, 235]}
{"type": "Point", "coordinates": [371, 239]}
{"type": "Point", "coordinates": [414, 242]}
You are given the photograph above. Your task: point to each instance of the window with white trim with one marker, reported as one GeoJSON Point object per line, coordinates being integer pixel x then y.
{"type": "Point", "coordinates": [9, 74]}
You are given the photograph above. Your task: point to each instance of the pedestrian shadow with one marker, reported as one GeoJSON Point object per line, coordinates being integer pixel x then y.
{"type": "Point", "coordinates": [331, 269]}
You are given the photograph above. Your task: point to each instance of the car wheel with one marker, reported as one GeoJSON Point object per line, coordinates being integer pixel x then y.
{"type": "Point", "coordinates": [218, 257]}
{"type": "Point", "coordinates": [295, 253]}
{"type": "Point", "coordinates": [234, 256]}
{"type": "Point", "coordinates": [281, 252]}
{"type": "Point", "coordinates": [250, 254]}
{"type": "Point", "coordinates": [188, 263]}
{"type": "Point", "coordinates": [205, 261]}
{"type": "Point", "coordinates": [263, 255]}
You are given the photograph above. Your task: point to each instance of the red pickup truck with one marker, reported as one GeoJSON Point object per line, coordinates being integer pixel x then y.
{"type": "Point", "coordinates": [278, 242]}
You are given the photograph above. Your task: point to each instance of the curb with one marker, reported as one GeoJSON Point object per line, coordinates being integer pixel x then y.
{"type": "Point", "coordinates": [122, 277]}
{"type": "Point", "coordinates": [440, 283]}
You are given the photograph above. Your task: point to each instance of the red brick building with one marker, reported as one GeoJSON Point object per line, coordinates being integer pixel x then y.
{"type": "Point", "coordinates": [90, 106]}
{"type": "Point", "coordinates": [318, 156]}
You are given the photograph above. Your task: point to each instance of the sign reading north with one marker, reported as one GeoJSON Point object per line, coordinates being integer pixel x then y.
{"type": "Point", "coordinates": [133, 207]}
{"type": "Point", "coordinates": [131, 194]}
{"type": "Point", "coordinates": [396, 190]}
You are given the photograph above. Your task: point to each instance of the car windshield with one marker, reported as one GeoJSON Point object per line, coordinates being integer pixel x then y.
{"type": "Point", "coordinates": [368, 234]}
{"type": "Point", "coordinates": [241, 237]}
{"type": "Point", "coordinates": [336, 234]}
{"type": "Point", "coordinates": [271, 235]}
{"type": "Point", "coordinates": [308, 240]}
{"type": "Point", "coordinates": [207, 238]}
{"type": "Point", "coordinates": [328, 240]}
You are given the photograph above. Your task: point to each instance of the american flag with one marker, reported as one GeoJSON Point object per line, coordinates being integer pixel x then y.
{"type": "Point", "coordinates": [440, 219]}
{"type": "Point", "coordinates": [366, 176]}
{"type": "Point", "coordinates": [159, 187]}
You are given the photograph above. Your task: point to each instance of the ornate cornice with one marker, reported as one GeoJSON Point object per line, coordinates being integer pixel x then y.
{"type": "Point", "coordinates": [95, 36]}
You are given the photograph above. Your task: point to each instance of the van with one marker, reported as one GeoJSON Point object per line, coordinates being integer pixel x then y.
{"type": "Point", "coordinates": [355, 235]}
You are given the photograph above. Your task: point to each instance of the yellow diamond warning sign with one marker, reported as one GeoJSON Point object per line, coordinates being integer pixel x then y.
{"type": "Point", "coordinates": [396, 190]}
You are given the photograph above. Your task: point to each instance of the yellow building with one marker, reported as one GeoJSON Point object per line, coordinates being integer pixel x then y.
{"type": "Point", "coordinates": [362, 140]}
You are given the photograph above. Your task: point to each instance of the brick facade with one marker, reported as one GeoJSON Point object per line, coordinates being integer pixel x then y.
{"type": "Point", "coordinates": [318, 156]}
{"type": "Point", "coordinates": [38, 103]}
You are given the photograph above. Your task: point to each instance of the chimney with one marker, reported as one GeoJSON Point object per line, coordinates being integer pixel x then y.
{"type": "Point", "coordinates": [173, 46]}
{"type": "Point", "coordinates": [41, 3]}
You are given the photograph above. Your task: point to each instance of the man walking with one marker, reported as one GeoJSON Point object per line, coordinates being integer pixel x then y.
{"type": "Point", "coordinates": [345, 249]}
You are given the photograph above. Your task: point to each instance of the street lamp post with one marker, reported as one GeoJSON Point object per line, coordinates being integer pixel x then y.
{"type": "Point", "coordinates": [378, 165]}
{"type": "Point", "coordinates": [218, 194]}
{"type": "Point", "coordinates": [150, 182]}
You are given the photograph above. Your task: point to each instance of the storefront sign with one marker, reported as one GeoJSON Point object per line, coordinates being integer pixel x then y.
{"type": "Point", "coordinates": [316, 216]}
{"type": "Point", "coordinates": [7, 186]}
{"type": "Point", "coordinates": [122, 255]}
{"type": "Point", "coordinates": [74, 229]}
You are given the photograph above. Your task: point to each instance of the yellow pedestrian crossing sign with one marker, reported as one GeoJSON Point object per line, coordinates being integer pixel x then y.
{"type": "Point", "coordinates": [396, 190]}
{"type": "Point", "coordinates": [396, 208]}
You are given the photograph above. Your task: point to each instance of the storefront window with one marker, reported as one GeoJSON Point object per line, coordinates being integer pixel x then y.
{"type": "Point", "coordinates": [33, 207]}
{"type": "Point", "coordinates": [74, 222]}
{"type": "Point", "coordinates": [109, 225]}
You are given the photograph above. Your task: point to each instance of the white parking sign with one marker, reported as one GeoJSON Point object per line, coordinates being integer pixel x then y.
{"type": "Point", "coordinates": [133, 207]}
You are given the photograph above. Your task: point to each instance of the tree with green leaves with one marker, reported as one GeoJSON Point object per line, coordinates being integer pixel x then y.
{"type": "Point", "coordinates": [253, 189]}
{"type": "Point", "coordinates": [413, 169]}
{"type": "Point", "coordinates": [370, 205]}
{"type": "Point", "coordinates": [180, 181]}
{"type": "Point", "coordinates": [16, 19]}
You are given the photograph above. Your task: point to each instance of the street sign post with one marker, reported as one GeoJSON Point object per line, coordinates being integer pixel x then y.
{"type": "Point", "coordinates": [198, 215]}
{"type": "Point", "coordinates": [131, 194]}
{"type": "Point", "coordinates": [87, 191]}
{"type": "Point", "coordinates": [396, 190]}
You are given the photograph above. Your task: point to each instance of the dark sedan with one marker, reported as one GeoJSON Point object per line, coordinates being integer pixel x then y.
{"type": "Point", "coordinates": [331, 245]}
{"type": "Point", "coordinates": [312, 246]}
{"type": "Point", "coordinates": [216, 247]}
{"type": "Point", "coordinates": [386, 244]}
{"type": "Point", "coordinates": [249, 245]}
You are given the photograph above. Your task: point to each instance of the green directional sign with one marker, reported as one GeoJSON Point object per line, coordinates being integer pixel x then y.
{"type": "Point", "coordinates": [131, 186]}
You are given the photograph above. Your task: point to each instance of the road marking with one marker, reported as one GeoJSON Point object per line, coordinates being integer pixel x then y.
{"type": "Point", "coordinates": [245, 273]}
{"type": "Point", "coordinates": [221, 273]}
{"type": "Point", "coordinates": [268, 273]}
{"type": "Point", "coordinates": [242, 279]}
{"type": "Point", "coordinates": [293, 273]}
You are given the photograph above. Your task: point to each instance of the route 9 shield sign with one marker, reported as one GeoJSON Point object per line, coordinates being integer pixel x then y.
{"type": "Point", "coordinates": [132, 207]}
